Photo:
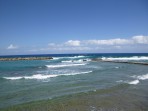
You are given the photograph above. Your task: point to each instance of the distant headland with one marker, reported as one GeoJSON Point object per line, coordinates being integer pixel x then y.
{"type": "Point", "coordinates": [25, 58]}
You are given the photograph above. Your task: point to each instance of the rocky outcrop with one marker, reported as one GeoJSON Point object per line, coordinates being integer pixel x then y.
{"type": "Point", "coordinates": [127, 62]}
{"type": "Point", "coordinates": [25, 58]}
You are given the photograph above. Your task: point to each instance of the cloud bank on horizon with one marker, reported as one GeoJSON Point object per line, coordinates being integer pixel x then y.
{"type": "Point", "coordinates": [135, 43]}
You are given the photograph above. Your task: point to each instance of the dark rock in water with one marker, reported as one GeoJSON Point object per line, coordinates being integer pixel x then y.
{"type": "Point", "coordinates": [25, 58]}
{"type": "Point", "coordinates": [84, 60]}
{"type": "Point", "coordinates": [127, 62]}
{"type": "Point", "coordinates": [96, 59]}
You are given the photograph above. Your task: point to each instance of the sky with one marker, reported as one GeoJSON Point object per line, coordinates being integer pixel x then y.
{"type": "Point", "coordinates": [73, 26]}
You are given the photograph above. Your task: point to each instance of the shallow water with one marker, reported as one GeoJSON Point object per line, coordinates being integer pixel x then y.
{"type": "Point", "coordinates": [25, 81]}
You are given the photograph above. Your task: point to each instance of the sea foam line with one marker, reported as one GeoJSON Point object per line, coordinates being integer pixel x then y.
{"type": "Point", "coordinates": [41, 76]}
{"type": "Point", "coordinates": [63, 65]}
{"type": "Point", "coordinates": [136, 58]}
{"type": "Point", "coordinates": [75, 57]}
{"type": "Point", "coordinates": [134, 82]}
{"type": "Point", "coordinates": [138, 78]}
{"type": "Point", "coordinates": [141, 77]}
{"type": "Point", "coordinates": [70, 57]}
{"type": "Point", "coordinates": [76, 61]}
{"type": "Point", "coordinates": [36, 76]}
{"type": "Point", "coordinates": [73, 61]}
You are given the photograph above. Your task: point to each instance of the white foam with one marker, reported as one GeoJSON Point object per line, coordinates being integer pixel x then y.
{"type": "Point", "coordinates": [136, 58]}
{"type": "Point", "coordinates": [70, 57]}
{"type": "Point", "coordinates": [67, 61]}
{"type": "Point", "coordinates": [76, 57]}
{"type": "Point", "coordinates": [138, 78]}
{"type": "Point", "coordinates": [63, 65]}
{"type": "Point", "coordinates": [134, 82]}
{"type": "Point", "coordinates": [37, 76]}
{"type": "Point", "coordinates": [13, 78]}
{"type": "Point", "coordinates": [76, 61]}
{"type": "Point", "coordinates": [73, 61]}
{"type": "Point", "coordinates": [56, 58]}
{"type": "Point", "coordinates": [141, 77]}
{"type": "Point", "coordinates": [77, 73]}
{"type": "Point", "coordinates": [41, 76]}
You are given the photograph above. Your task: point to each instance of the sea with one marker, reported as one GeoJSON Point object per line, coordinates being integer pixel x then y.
{"type": "Point", "coordinates": [25, 81]}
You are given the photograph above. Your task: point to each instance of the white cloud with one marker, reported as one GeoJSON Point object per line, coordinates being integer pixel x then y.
{"type": "Point", "coordinates": [117, 41]}
{"type": "Point", "coordinates": [117, 47]}
{"type": "Point", "coordinates": [133, 44]}
{"type": "Point", "coordinates": [33, 50]}
{"type": "Point", "coordinates": [11, 46]}
{"type": "Point", "coordinates": [140, 39]}
{"type": "Point", "coordinates": [69, 48]}
{"type": "Point", "coordinates": [73, 43]}
{"type": "Point", "coordinates": [51, 44]}
{"type": "Point", "coordinates": [75, 48]}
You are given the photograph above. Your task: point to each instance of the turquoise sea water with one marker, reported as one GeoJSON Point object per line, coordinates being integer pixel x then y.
{"type": "Point", "coordinates": [24, 81]}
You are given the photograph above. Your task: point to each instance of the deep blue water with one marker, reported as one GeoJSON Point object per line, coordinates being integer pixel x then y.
{"type": "Point", "coordinates": [24, 81]}
{"type": "Point", "coordinates": [86, 54]}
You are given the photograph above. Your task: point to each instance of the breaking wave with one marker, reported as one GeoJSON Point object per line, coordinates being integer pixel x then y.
{"type": "Point", "coordinates": [76, 61]}
{"type": "Point", "coordinates": [64, 65]}
{"type": "Point", "coordinates": [138, 78]}
{"type": "Point", "coordinates": [134, 82]}
{"type": "Point", "coordinates": [141, 77]}
{"type": "Point", "coordinates": [68, 57]}
{"type": "Point", "coordinates": [136, 58]}
{"type": "Point", "coordinates": [76, 57]}
{"type": "Point", "coordinates": [41, 76]}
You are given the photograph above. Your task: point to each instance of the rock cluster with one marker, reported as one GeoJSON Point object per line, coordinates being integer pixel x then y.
{"type": "Point", "coordinates": [128, 62]}
{"type": "Point", "coordinates": [25, 58]}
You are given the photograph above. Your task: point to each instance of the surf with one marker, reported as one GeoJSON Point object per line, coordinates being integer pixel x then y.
{"type": "Point", "coordinates": [64, 65]}
{"type": "Point", "coordinates": [135, 58]}
{"type": "Point", "coordinates": [141, 77]}
{"type": "Point", "coordinates": [43, 76]}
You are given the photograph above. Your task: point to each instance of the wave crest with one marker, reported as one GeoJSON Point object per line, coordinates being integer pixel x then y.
{"type": "Point", "coordinates": [134, 82]}
{"type": "Point", "coordinates": [63, 65]}
{"type": "Point", "coordinates": [136, 58]}
{"type": "Point", "coordinates": [68, 57]}
{"type": "Point", "coordinates": [138, 78]}
{"type": "Point", "coordinates": [41, 76]}
{"type": "Point", "coordinates": [141, 77]}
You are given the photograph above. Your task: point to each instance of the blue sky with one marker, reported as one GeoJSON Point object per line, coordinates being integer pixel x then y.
{"type": "Point", "coordinates": [73, 26]}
